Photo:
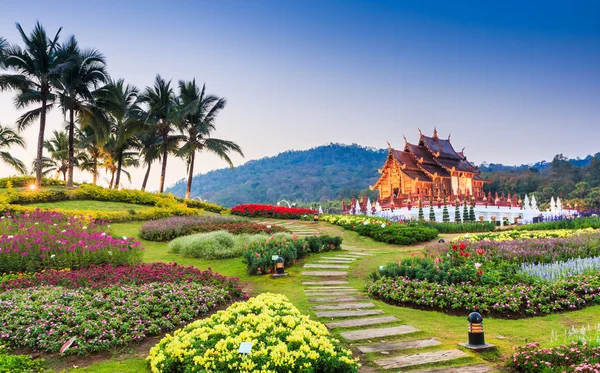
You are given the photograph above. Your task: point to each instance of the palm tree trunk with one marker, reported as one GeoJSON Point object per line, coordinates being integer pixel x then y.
{"type": "Point", "coordinates": [190, 176]}
{"type": "Point", "coordinates": [112, 179]}
{"type": "Point", "coordinates": [119, 165]}
{"type": "Point", "coordinates": [40, 147]}
{"type": "Point", "coordinates": [95, 171]}
{"type": "Point", "coordinates": [146, 177]}
{"type": "Point", "coordinates": [163, 172]}
{"type": "Point", "coordinates": [71, 150]}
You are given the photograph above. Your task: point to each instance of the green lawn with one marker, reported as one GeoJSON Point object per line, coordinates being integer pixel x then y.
{"type": "Point", "coordinates": [90, 205]}
{"type": "Point", "coordinates": [449, 329]}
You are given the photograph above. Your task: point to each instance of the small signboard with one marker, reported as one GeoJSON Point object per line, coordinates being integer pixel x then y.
{"type": "Point", "coordinates": [274, 257]}
{"type": "Point", "coordinates": [245, 348]}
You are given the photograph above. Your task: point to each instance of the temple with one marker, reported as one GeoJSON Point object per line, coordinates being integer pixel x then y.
{"type": "Point", "coordinates": [429, 170]}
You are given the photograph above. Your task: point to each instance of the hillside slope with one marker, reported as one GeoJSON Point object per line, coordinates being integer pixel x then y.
{"type": "Point", "coordinates": [318, 174]}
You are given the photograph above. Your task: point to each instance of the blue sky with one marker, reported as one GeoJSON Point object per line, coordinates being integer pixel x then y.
{"type": "Point", "coordinates": [514, 82]}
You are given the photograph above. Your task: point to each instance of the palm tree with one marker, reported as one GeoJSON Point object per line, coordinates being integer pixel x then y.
{"type": "Point", "coordinates": [199, 112]}
{"type": "Point", "coordinates": [3, 46]}
{"type": "Point", "coordinates": [111, 164]}
{"type": "Point", "coordinates": [149, 151]}
{"type": "Point", "coordinates": [91, 152]}
{"type": "Point", "coordinates": [9, 138]}
{"type": "Point", "coordinates": [76, 87]}
{"type": "Point", "coordinates": [163, 116]}
{"type": "Point", "coordinates": [36, 68]}
{"type": "Point", "coordinates": [58, 162]}
{"type": "Point", "coordinates": [125, 117]}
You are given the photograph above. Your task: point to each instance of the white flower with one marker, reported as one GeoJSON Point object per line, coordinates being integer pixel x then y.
{"type": "Point", "coordinates": [55, 224]}
{"type": "Point", "coordinates": [124, 237]}
{"type": "Point", "coordinates": [383, 225]}
{"type": "Point", "coordinates": [103, 234]}
{"type": "Point", "coordinates": [9, 237]}
{"type": "Point", "coordinates": [1, 217]}
{"type": "Point", "coordinates": [477, 265]}
{"type": "Point", "coordinates": [268, 227]}
{"type": "Point", "coordinates": [52, 256]}
{"type": "Point", "coordinates": [108, 226]}
{"type": "Point", "coordinates": [36, 223]}
{"type": "Point", "coordinates": [466, 235]}
{"type": "Point", "coordinates": [366, 222]}
{"type": "Point", "coordinates": [84, 227]}
{"type": "Point", "coordinates": [63, 231]}
{"type": "Point", "coordinates": [110, 253]}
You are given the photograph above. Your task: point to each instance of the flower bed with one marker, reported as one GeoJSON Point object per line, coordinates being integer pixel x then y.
{"type": "Point", "coordinates": [575, 357]}
{"type": "Point", "coordinates": [21, 363]}
{"type": "Point", "coordinates": [43, 240]}
{"type": "Point", "coordinates": [177, 226]}
{"type": "Point", "coordinates": [283, 340]}
{"type": "Point", "coordinates": [213, 245]}
{"type": "Point", "coordinates": [121, 306]}
{"type": "Point", "coordinates": [564, 223]}
{"type": "Point", "coordinates": [269, 211]}
{"type": "Point", "coordinates": [521, 234]}
{"type": "Point", "coordinates": [258, 254]}
{"type": "Point", "coordinates": [497, 277]}
{"type": "Point", "coordinates": [383, 230]}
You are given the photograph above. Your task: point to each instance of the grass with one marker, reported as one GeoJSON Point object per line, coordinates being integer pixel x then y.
{"type": "Point", "coordinates": [449, 329]}
{"type": "Point", "coordinates": [90, 205]}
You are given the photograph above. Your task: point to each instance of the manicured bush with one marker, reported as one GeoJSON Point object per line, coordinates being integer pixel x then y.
{"type": "Point", "coordinates": [43, 317]}
{"type": "Point", "coordinates": [212, 207]}
{"type": "Point", "coordinates": [521, 234]}
{"type": "Point", "coordinates": [23, 181]}
{"type": "Point", "coordinates": [173, 227]}
{"type": "Point", "coordinates": [258, 254]}
{"type": "Point", "coordinates": [564, 223]}
{"type": "Point", "coordinates": [575, 357]}
{"type": "Point", "coordinates": [20, 363]}
{"type": "Point", "coordinates": [213, 245]}
{"type": "Point", "coordinates": [464, 227]}
{"type": "Point", "coordinates": [283, 339]}
{"type": "Point", "coordinates": [49, 240]}
{"type": "Point", "coordinates": [269, 211]}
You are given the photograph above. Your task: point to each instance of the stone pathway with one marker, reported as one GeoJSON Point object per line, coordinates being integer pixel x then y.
{"type": "Point", "coordinates": [298, 228]}
{"type": "Point", "coordinates": [336, 303]}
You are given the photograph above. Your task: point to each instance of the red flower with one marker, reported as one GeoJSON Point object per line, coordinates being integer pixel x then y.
{"type": "Point", "coordinates": [454, 247]}
{"type": "Point", "coordinates": [462, 246]}
{"type": "Point", "coordinates": [480, 251]}
{"type": "Point", "coordinates": [480, 272]}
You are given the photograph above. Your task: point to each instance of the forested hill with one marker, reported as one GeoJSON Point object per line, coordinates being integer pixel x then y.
{"type": "Point", "coordinates": [319, 174]}
{"type": "Point", "coordinates": [333, 171]}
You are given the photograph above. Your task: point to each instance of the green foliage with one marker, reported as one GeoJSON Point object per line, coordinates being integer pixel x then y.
{"type": "Point", "coordinates": [23, 181]}
{"type": "Point", "coordinates": [576, 223]}
{"type": "Point", "coordinates": [20, 363]}
{"type": "Point", "coordinates": [445, 215]}
{"type": "Point", "coordinates": [213, 245]}
{"type": "Point", "coordinates": [421, 216]}
{"type": "Point", "coordinates": [457, 212]}
{"type": "Point", "coordinates": [431, 213]}
{"type": "Point", "coordinates": [465, 214]}
{"type": "Point", "coordinates": [212, 207]}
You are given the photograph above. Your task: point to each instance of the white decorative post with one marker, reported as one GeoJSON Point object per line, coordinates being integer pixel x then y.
{"type": "Point", "coordinates": [377, 209]}
{"type": "Point", "coordinates": [526, 206]}
{"type": "Point", "coordinates": [320, 210]}
{"type": "Point", "coordinates": [358, 212]}
{"type": "Point", "coordinates": [552, 204]}
{"type": "Point", "coordinates": [534, 203]}
{"type": "Point", "coordinates": [369, 212]}
{"type": "Point", "coordinates": [558, 206]}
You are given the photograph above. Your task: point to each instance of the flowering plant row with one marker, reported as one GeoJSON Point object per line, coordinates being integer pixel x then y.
{"type": "Point", "coordinates": [517, 300]}
{"type": "Point", "coordinates": [177, 226]}
{"type": "Point", "coordinates": [564, 223]}
{"type": "Point", "coordinates": [277, 212]}
{"type": "Point", "coordinates": [258, 254]}
{"type": "Point", "coordinates": [575, 357]}
{"type": "Point", "coordinates": [44, 317]}
{"type": "Point", "coordinates": [383, 230]}
{"type": "Point", "coordinates": [520, 234]}
{"type": "Point", "coordinates": [283, 340]}
{"type": "Point", "coordinates": [43, 240]}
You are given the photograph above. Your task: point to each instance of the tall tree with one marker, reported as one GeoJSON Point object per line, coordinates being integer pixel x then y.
{"type": "Point", "coordinates": [8, 139]}
{"type": "Point", "coordinates": [91, 152]}
{"type": "Point", "coordinates": [36, 68]}
{"type": "Point", "coordinates": [162, 116]}
{"type": "Point", "coordinates": [76, 87]}
{"type": "Point", "coordinates": [125, 117]}
{"type": "Point", "coordinates": [111, 164]}
{"type": "Point", "coordinates": [199, 112]}
{"type": "Point", "coordinates": [150, 151]}
{"type": "Point", "coordinates": [3, 46]}
{"type": "Point", "coordinates": [58, 162]}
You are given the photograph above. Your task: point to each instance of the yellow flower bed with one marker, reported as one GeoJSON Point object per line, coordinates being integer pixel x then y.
{"type": "Point", "coordinates": [518, 235]}
{"type": "Point", "coordinates": [283, 340]}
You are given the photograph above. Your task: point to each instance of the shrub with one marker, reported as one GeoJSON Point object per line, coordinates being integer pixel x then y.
{"type": "Point", "coordinates": [23, 181]}
{"type": "Point", "coordinates": [20, 363]}
{"type": "Point", "coordinates": [276, 212]}
{"type": "Point", "coordinates": [44, 317]}
{"type": "Point", "coordinates": [564, 223]}
{"type": "Point", "coordinates": [258, 254]}
{"type": "Point", "coordinates": [576, 357]}
{"type": "Point", "coordinates": [212, 207]}
{"type": "Point", "coordinates": [173, 227]}
{"type": "Point", "coordinates": [213, 245]}
{"type": "Point", "coordinates": [282, 338]}
{"type": "Point", "coordinates": [49, 240]}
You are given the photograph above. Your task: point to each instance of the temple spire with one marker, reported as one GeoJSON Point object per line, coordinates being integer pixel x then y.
{"type": "Point", "coordinates": [389, 146]}
{"type": "Point", "coordinates": [449, 136]}
{"type": "Point", "coordinates": [420, 133]}
{"type": "Point", "coordinates": [435, 135]}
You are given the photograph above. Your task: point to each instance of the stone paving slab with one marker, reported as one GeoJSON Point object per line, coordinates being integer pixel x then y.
{"type": "Point", "coordinates": [344, 306]}
{"type": "Point", "coordinates": [378, 333]}
{"type": "Point", "coordinates": [338, 259]}
{"type": "Point", "coordinates": [332, 293]}
{"type": "Point", "coordinates": [326, 266]}
{"type": "Point", "coordinates": [349, 313]}
{"type": "Point", "coordinates": [344, 257]}
{"type": "Point", "coordinates": [361, 322]}
{"type": "Point", "coordinates": [337, 299]}
{"type": "Point", "coordinates": [420, 359]}
{"type": "Point", "coordinates": [324, 273]}
{"type": "Point", "coordinates": [330, 282]}
{"type": "Point", "coordinates": [333, 261]}
{"type": "Point", "coordinates": [399, 345]}
{"type": "Point", "coordinates": [358, 253]}
{"type": "Point", "coordinates": [480, 368]}
{"type": "Point", "coordinates": [316, 288]}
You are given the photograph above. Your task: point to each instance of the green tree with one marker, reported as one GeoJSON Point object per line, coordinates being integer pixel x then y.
{"type": "Point", "coordinates": [445, 214]}
{"type": "Point", "coordinates": [36, 69]}
{"type": "Point", "coordinates": [421, 216]}
{"type": "Point", "coordinates": [471, 213]}
{"type": "Point", "coordinates": [76, 89]}
{"type": "Point", "coordinates": [431, 212]}
{"type": "Point", "coordinates": [58, 162]}
{"type": "Point", "coordinates": [199, 113]}
{"type": "Point", "coordinates": [150, 151]}
{"type": "Point", "coordinates": [163, 117]}
{"type": "Point", "coordinates": [457, 211]}
{"type": "Point", "coordinates": [8, 139]}
{"type": "Point", "coordinates": [465, 216]}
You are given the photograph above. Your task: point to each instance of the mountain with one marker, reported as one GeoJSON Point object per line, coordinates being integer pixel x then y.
{"type": "Point", "coordinates": [318, 174]}
{"type": "Point", "coordinates": [333, 171]}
